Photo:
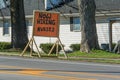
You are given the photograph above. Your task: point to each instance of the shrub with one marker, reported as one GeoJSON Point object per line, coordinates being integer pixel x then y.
{"type": "Point", "coordinates": [75, 47]}
{"type": "Point", "coordinates": [106, 46]}
{"type": "Point", "coordinates": [113, 45]}
{"type": "Point", "coordinates": [5, 45]}
{"type": "Point", "coordinates": [46, 47]}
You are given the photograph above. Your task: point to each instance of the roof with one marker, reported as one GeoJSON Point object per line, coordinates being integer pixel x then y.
{"type": "Point", "coordinates": [29, 6]}
{"type": "Point", "coordinates": [101, 5]}
{"type": "Point", "coordinates": [108, 4]}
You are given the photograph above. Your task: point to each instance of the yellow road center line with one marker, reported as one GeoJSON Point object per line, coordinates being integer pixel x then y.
{"type": "Point", "coordinates": [40, 74]}
{"type": "Point", "coordinates": [34, 72]}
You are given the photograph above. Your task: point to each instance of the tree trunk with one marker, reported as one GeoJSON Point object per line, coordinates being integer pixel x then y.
{"type": "Point", "coordinates": [88, 26]}
{"type": "Point", "coordinates": [18, 23]}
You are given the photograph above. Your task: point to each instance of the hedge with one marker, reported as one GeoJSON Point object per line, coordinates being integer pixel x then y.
{"type": "Point", "coordinates": [46, 47]}
{"type": "Point", "coordinates": [75, 47]}
{"type": "Point", "coordinates": [5, 45]}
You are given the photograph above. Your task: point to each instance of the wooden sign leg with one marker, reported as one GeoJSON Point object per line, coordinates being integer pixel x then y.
{"type": "Point", "coordinates": [52, 48]}
{"type": "Point", "coordinates": [62, 48]}
{"type": "Point", "coordinates": [31, 49]}
{"type": "Point", "coordinates": [31, 44]}
{"type": "Point", "coordinates": [26, 47]}
{"type": "Point", "coordinates": [37, 48]}
{"type": "Point", "coordinates": [57, 46]}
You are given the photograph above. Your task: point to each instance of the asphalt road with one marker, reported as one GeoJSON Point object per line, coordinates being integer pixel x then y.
{"type": "Point", "coordinates": [19, 68]}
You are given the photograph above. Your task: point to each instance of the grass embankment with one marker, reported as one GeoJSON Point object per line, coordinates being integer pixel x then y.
{"type": "Point", "coordinates": [94, 56]}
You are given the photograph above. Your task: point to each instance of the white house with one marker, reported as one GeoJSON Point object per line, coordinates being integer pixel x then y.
{"type": "Point", "coordinates": [107, 11]}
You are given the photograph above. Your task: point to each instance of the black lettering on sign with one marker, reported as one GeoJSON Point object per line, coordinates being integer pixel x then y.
{"type": "Point", "coordinates": [46, 29]}
{"type": "Point", "coordinates": [45, 15]}
{"type": "Point", "coordinates": [44, 21]}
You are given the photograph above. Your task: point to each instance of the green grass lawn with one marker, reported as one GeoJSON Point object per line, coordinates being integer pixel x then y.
{"type": "Point", "coordinates": [94, 56]}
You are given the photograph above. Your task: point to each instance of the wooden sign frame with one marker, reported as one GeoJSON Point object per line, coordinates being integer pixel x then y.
{"type": "Point", "coordinates": [55, 35]}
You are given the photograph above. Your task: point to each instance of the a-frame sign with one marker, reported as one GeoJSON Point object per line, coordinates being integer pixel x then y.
{"type": "Point", "coordinates": [45, 24]}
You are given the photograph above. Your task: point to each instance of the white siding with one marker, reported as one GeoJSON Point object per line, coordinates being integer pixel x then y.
{"type": "Point", "coordinates": [116, 32]}
{"type": "Point", "coordinates": [67, 37]}
{"type": "Point", "coordinates": [103, 33]}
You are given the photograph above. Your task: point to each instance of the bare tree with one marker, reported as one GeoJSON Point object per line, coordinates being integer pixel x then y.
{"type": "Point", "coordinates": [88, 25]}
{"type": "Point", "coordinates": [19, 30]}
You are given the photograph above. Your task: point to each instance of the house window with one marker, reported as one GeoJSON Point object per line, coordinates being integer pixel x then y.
{"type": "Point", "coordinates": [6, 26]}
{"type": "Point", "coordinates": [74, 24]}
{"type": "Point", "coordinates": [27, 26]}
